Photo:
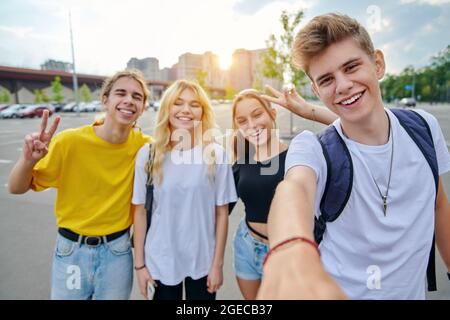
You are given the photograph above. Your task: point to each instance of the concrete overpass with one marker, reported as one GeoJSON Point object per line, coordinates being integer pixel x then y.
{"type": "Point", "coordinates": [22, 82]}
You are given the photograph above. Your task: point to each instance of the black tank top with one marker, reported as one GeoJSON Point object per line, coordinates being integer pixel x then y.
{"type": "Point", "coordinates": [256, 184]}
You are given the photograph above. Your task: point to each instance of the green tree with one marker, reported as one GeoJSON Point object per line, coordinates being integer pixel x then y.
{"type": "Point", "coordinates": [57, 89]}
{"type": "Point", "coordinates": [45, 97]}
{"type": "Point", "coordinates": [200, 77]}
{"type": "Point", "coordinates": [229, 92]}
{"type": "Point", "coordinates": [432, 82]}
{"type": "Point", "coordinates": [85, 93]}
{"type": "Point", "coordinates": [5, 96]}
{"type": "Point", "coordinates": [257, 83]}
{"type": "Point", "coordinates": [276, 62]}
{"type": "Point", "coordinates": [38, 96]}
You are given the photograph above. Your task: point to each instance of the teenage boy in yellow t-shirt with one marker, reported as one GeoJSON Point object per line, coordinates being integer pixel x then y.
{"type": "Point", "coordinates": [92, 168]}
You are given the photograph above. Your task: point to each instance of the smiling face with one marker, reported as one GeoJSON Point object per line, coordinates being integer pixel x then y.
{"type": "Point", "coordinates": [186, 112]}
{"type": "Point", "coordinates": [125, 102]}
{"type": "Point", "coordinates": [254, 121]}
{"type": "Point", "coordinates": [346, 78]}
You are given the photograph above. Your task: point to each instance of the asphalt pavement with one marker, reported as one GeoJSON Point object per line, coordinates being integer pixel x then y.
{"type": "Point", "coordinates": [27, 222]}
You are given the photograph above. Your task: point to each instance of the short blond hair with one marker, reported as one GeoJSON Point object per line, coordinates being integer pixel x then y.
{"type": "Point", "coordinates": [325, 30]}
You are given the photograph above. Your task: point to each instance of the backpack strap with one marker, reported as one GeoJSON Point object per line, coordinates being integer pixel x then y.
{"type": "Point", "coordinates": [149, 194]}
{"type": "Point", "coordinates": [419, 131]}
{"type": "Point", "coordinates": [339, 181]}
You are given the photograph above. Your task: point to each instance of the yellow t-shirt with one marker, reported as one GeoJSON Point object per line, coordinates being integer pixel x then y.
{"type": "Point", "coordinates": [94, 179]}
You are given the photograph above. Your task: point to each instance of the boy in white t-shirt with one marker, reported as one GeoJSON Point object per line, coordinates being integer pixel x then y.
{"type": "Point", "coordinates": [378, 247]}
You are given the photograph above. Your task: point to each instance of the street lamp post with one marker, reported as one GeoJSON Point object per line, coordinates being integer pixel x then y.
{"type": "Point", "coordinates": [74, 73]}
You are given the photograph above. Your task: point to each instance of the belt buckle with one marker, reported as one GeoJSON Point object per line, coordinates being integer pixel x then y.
{"type": "Point", "coordinates": [87, 238]}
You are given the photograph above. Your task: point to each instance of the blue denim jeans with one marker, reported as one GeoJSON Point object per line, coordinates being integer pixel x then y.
{"type": "Point", "coordinates": [249, 254]}
{"type": "Point", "coordinates": [82, 272]}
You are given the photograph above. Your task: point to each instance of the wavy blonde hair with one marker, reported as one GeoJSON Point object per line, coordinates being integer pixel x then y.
{"type": "Point", "coordinates": [237, 138]}
{"type": "Point", "coordinates": [162, 135]}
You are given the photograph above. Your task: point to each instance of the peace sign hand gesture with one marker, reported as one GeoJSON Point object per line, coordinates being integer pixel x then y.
{"type": "Point", "coordinates": [36, 144]}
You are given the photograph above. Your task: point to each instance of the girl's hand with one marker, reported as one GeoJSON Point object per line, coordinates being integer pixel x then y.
{"type": "Point", "coordinates": [215, 279]}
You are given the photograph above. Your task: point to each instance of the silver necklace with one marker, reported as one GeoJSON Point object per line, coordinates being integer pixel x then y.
{"type": "Point", "coordinates": [385, 197]}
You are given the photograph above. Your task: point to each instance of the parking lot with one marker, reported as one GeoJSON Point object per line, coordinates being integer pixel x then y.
{"type": "Point", "coordinates": [27, 223]}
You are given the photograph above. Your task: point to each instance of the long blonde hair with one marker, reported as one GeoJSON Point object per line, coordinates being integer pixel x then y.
{"type": "Point", "coordinates": [162, 135]}
{"type": "Point", "coordinates": [237, 139]}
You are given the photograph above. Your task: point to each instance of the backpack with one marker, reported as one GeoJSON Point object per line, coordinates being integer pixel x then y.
{"type": "Point", "coordinates": [149, 194]}
{"type": "Point", "coordinates": [339, 181]}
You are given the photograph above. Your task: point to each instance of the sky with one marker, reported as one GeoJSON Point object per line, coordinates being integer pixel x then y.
{"type": "Point", "coordinates": [107, 33]}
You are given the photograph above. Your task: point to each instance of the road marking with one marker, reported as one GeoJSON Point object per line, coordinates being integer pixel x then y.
{"type": "Point", "coordinates": [5, 161]}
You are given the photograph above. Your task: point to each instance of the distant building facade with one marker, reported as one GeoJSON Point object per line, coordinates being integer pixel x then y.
{"type": "Point", "coordinates": [55, 65]}
{"type": "Point", "coordinates": [148, 66]}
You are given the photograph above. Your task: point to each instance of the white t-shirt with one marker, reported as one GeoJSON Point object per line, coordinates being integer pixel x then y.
{"type": "Point", "coordinates": [181, 240]}
{"type": "Point", "coordinates": [370, 255]}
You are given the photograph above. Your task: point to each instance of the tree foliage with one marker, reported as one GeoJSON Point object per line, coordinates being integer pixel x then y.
{"type": "Point", "coordinates": [276, 62]}
{"type": "Point", "coordinates": [432, 83]}
{"type": "Point", "coordinates": [57, 90]}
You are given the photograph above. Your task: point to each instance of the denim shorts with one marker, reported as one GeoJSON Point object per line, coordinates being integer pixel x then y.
{"type": "Point", "coordinates": [82, 272]}
{"type": "Point", "coordinates": [249, 254]}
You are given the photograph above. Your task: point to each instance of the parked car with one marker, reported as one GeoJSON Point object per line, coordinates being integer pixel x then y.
{"type": "Point", "coordinates": [58, 106]}
{"type": "Point", "coordinates": [408, 102]}
{"type": "Point", "coordinates": [32, 111]}
{"type": "Point", "coordinates": [155, 105]}
{"type": "Point", "coordinates": [70, 107]}
{"type": "Point", "coordinates": [4, 106]}
{"type": "Point", "coordinates": [12, 111]}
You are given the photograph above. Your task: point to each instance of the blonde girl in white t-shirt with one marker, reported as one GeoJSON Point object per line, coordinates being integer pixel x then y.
{"type": "Point", "coordinates": [193, 184]}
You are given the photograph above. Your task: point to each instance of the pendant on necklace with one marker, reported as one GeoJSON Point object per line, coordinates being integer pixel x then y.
{"type": "Point", "coordinates": [384, 204]}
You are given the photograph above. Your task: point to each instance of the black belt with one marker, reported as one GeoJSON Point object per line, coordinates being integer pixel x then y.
{"type": "Point", "coordinates": [90, 240]}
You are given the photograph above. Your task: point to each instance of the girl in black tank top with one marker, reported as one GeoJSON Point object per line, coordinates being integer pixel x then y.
{"type": "Point", "coordinates": [259, 158]}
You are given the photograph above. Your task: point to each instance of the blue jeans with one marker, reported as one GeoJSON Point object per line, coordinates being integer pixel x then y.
{"type": "Point", "coordinates": [82, 272]}
{"type": "Point", "coordinates": [249, 254]}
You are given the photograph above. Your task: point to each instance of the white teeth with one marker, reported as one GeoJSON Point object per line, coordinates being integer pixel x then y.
{"type": "Point", "coordinates": [352, 99]}
{"type": "Point", "coordinates": [184, 118]}
{"type": "Point", "coordinates": [126, 111]}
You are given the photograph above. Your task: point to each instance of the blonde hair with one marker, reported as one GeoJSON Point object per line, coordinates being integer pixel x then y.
{"type": "Point", "coordinates": [162, 134]}
{"type": "Point", "coordinates": [325, 30]}
{"type": "Point", "coordinates": [238, 139]}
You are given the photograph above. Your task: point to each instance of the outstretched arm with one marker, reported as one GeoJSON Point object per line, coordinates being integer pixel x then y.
{"type": "Point", "coordinates": [291, 100]}
{"type": "Point", "coordinates": [34, 149]}
{"type": "Point", "coordinates": [443, 225]}
{"type": "Point", "coordinates": [294, 271]}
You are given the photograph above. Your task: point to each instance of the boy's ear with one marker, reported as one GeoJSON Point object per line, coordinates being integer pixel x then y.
{"type": "Point", "coordinates": [380, 64]}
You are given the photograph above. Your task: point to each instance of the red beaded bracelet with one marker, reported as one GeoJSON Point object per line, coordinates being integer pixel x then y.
{"type": "Point", "coordinates": [313, 243]}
